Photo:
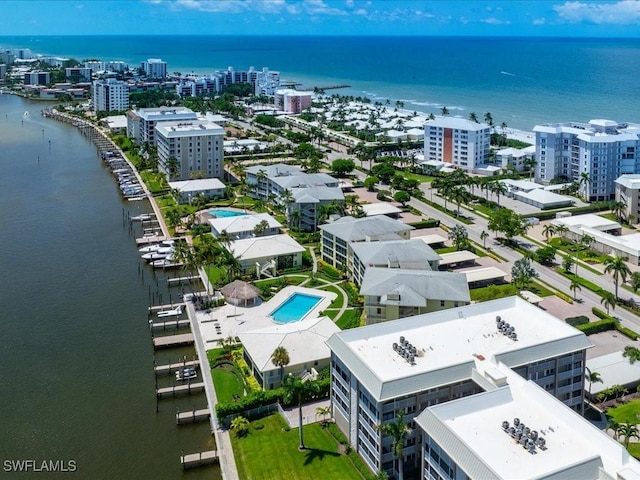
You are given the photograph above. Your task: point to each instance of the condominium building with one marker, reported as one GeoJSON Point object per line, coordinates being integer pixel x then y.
{"type": "Point", "coordinates": [262, 82]}
{"type": "Point", "coordinates": [417, 362]}
{"type": "Point", "coordinates": [154, 68]}
{"type": "Point", "coordinates": [97, 66]}
{"type": "Point", "coordinates": [338, 236]}
{"type": "Point", "coordinates": [37, 78]}
{"type": "Point", "coordinates": [457, 141]}
{"type": "Point", "coordinates": [109, 95]}
{"type": "Point", "coordinates": [516, 158]}
{"type": "Point", "coordinates": [592, 154]}
{"type": "Point", "coordinates": [267, 82]}
{"type": "Point", "coordinates": [305, 209]}
{"type": "Point", "coordinates": [292, 101]}
{"type": "Point", "coordinates": [78, 74]}
{"type": "Point", "coordinates": [628, 192]}
{"type": "Point", "coordinates": [190, 149]}
{"type": "Point", "coordinates": [267, 182]}
{"type": "Point", "coordinates": [141, 122]}
{"type": "Point", "coordinates": [516, 430]}
{"type": "Point", "coordinates": [392, 293]}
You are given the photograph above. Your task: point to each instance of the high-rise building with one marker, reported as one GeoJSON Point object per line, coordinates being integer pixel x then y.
{"type": "Point", "coordinates": [154, 68]}
{"type": "Point", "coordinates": [141, 122]}
{"type": "Point", "coordinates": [457, 141]}
{"type": "Point", "coordinates": [110, 95]}
{"type": "Point", "coordinates": [37, 78]}
{"type": "Point", "coordinates": [190, 149]}
{"type": "Point", "coordinates": [592, 154]}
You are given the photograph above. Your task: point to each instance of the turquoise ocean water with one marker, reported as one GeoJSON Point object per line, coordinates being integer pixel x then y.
{"type": "Point", "coordinates": [521, 81]}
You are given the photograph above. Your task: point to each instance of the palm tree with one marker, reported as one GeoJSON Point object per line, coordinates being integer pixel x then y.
{"type": "Point", "coordinates": [619, 268]}
{"type": "Point", "coordinates": [261, 227]}
{"type": "Point", "coordinates": [561, 230]}
{"type": "Point", "coordinates": [574, 286]}
{"type": "Point", "coordinates": [587, 241]}
{"type": "Point", "coordinates": [608, 300]}
{"type": "Point", "coordinates": [286, 198]}
{"type": "Point", "coordinates": [548, 230]}
{"type": "Point", "coordinates": [584, 182]}
{"type": "Point", "coordinates": [241, 426]}
{"type": "Point", "coordinates": [612, 425]}
{"type": "Point", "coordinates": [224, 238]}
{"type": "Point", "coordinates": [592, 377]}
{"type": "Point", "coordinates": [297, 389]}
{"type": "Point", "coordinates": [618, 209]}
{"type": "Point", "coordinates": [628, 430]}
{"type": "Point", "coordinates": [459, 195]}
{"type": "Point", "coordinates": [488, 119]}
{"type": "Point", "coordinates": [261, 177]}
{"type": "Point", "coordinates": [444, 111]}
{"type": "Point", "coordinates": [280, 358]}
{"type": "Point", "coordinates": [473, 117]}
{"type": "Point", "coordinates": [498, 188]}
{"type": "Point", "coordinates": [483, 236]}
{"type": "Point", "coordinates": [634, 281]}
{"type": "Point", "coordinates": [172, 166]}
{"type": "Point", "coordinates": [397, 430]}
{"type": "Point", "coordinates": [324, 412]}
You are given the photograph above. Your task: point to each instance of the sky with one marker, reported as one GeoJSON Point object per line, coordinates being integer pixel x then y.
{"type": "Point", "coordinates": [561, 18]}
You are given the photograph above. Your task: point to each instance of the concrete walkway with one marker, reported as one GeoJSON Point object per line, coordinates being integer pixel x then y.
{"type": "Point", "coordinates": [314, 258]}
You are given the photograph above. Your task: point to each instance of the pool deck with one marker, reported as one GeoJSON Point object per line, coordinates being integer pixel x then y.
{"type": "Point", "coordinates": [230, 320]}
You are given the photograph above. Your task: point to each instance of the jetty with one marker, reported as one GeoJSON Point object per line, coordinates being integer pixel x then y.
{"type": "Point", "coordinates": [170, 324]}
{"type": "Point", "coordinates": [175, 390]}
{"type": "Point", "coordinates": [179, 280]}
{"type": "Point", "coordinates": [173, 341]}
{"type": "Point", "coordinates": [199, 459]}
{"type": "Point", "coordinates": [174, 367]}
{"type": "Point", "coordinates": [192, 416]}
{"type": "Point", "coordinates": [171, 306]}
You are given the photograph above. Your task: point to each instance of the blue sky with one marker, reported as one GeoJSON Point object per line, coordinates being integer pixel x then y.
{"type": "Point", "coordinates": [599, 18]}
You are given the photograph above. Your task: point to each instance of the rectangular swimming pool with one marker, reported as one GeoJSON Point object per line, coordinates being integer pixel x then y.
{"type": "Point", "coordinates": [295, 308]}
{"type": "Point", "coordinates": [222, 213]}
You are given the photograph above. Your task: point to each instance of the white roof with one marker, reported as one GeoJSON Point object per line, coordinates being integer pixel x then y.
{"type": "Point", "coordinates": [614, 369]}
{"type": "Point", "coordinates": [544, 197]}
{"type": "Point", "coordinates": [525, 185]}
{"type": "Point", "coordinates": [629, 181]}
{"type": "Point", "coordinates": [382, 208]}
{"type": "Point", "coordinates": [197, 185]}
{"type": "Point", "coordinates": [242, 223]}
{"type": "Point", "coordinates": [194, 128]}
{"type": "Point", "coordinates": [431, 239]}
{"type": "Point", "coordinates": [116, 121]}
{"type": "Point", "coordinates": [587, 220]}
{"type": "Point", "coordinates": [409, 254]}
{"type": "Point", "coordinates": [304, 341]}
{"type": "Point", "coordinates": [470, 431]}
{"type": "Point", "coordinates": [317, 194]}
{"type": "Point", "coordinates": [449, 340]}
{"type": "Point", "coordinates": [353, 229]}
{"type": "Point", "coordinates": [265, 247]}
{"type": "Point", "coordinates": [457, 257]}
{"type": "Point", "coordinates": [456, 123]}
{"type": "Point", "coordinates": [483, 273]}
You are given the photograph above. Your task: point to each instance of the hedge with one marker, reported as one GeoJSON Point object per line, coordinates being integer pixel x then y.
{"type": "Point", "coordinates": [599, 313]}
{"type": "Point", "coordinates": [597, 327]}
{"type": "Point", "coordinates": [429, 223]}
{"type": "Point", "coordinates": [579, 320]}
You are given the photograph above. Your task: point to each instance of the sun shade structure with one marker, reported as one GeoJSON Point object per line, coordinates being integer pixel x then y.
{"type": "Point", "coordinates": [240, 293]}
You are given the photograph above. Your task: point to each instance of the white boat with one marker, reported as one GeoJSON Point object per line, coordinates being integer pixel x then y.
{"type": "Point", "coordinates": [170, 313]}
{"type": "Point", "coordinates": [159, 254]}
{"type": "Point", "coordinates": [186, 373]}
{"type": "Point", "coordinates": [165, 263]}
{"type": "Point", "coordinates": [143, 217]}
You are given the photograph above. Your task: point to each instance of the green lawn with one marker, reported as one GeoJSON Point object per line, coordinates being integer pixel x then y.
{"type": "Point", "coordinates": [634, 449]}
{"type": "Point", "coordinates": [349, 319]}
{"type": "Point", "coordinates": [227, 383]}
{"type": "Point", "coordinates": [627, 413]}
{"type": "Point", "coordinates": [272, 452]}
{"type": "Point", "coordinates": [418, 176]}
{"type": "Point", "coordinates": [216, 275]}
{"type": "Point", "coordinates": [578, 251]}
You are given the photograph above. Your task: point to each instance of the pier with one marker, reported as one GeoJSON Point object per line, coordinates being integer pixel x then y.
{"type": "Point", "coordinates": [171, 306]}
{"type": "Point", "coordinates": [192, 416]}
{"type": "Point", "coordinates": [174, 367]}
{"type": "Point", "coordinates": [199, 459]}
{"type": "Point", "coordinates": [176, 390]}
{"type": "Point", "coordinates": [170, 324]}
{"type": "Point", "coordinates": [179, 280]}
{"type": "Point", "coordinates": [173, 341]}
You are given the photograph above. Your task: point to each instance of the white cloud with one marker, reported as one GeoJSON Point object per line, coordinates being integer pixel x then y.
{"type": "Point", "coordinates": [233, 6]}
{"type": "Point", "coordinates": [494, 21]}
{"type": "Point", "coordinates": [349, 3]}
{"type": "Point", "coordinates": [624, 12]}
{"type": "Point", "coordinates": [539, 21]}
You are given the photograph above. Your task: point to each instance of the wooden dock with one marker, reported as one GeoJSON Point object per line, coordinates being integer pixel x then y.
{"type": "Point", "coordinates": [174, 367]}
{"type": "Point", "coordinates": [151, 239]}
{"type": "Point", "coordinates": [179, 280]}
{"type": "Point", "coordinates": [173, 341]}
{"type": "Point", "coordinates": [176, 390]}
{"type": "Point", "coordinates": [170, 324]}
{"type": "Point", "coordinates": [199, 459]}
{"type": "Point", "coordinates": [192, 416]}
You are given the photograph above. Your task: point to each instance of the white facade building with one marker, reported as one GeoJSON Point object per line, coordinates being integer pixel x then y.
{"type": "Point", "coordinates": [457, 141]}
{"type": "Point", "coordinates": [267, 82]}
{"type": "Point", "coordinates": [109, 95]}
{"type": "Point", "coordinates": [594, 154]}
{"type": "Point", "coordinates": [141, 122]}
{"type": "Point", "coordinates": [154, 68]}
{"type": "Point", "coordinates": [188, 149]}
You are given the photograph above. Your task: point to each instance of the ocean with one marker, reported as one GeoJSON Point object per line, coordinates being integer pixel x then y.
{"type": "Point", "coordinates": [520, 81]}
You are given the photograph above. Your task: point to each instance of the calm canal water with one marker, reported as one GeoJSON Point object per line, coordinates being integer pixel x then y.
{"type": "Point", "coordinates": [77, 378]}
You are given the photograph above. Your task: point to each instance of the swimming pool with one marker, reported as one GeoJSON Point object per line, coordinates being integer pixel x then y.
{"type": "Point", "coordinates": [222, 213]}
{"type": "Point", "coordinates": [295, 308]}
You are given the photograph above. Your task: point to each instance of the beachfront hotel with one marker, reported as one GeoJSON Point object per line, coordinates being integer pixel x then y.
{"type": "Point", "coordinates": [154, 68]}
{"type": "Point", "coordinates": [417, 362]}
{"type": "Point", "coordinates": [186, 149]}
{"type": "Point", "coordinates": [602, 149]}
{"type": "Point", "coordinates": [457, 141]}
{"type": "Point", "coordinates": [263, 82]}
{"type": "Point", "coordinates": [109, 95]}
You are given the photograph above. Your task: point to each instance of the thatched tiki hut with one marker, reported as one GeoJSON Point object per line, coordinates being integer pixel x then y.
{"type": "Point", "coordinates": [241, 293]}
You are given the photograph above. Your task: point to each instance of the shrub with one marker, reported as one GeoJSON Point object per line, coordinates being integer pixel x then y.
{"type": "Point", "coordinates": [429, 223]}
{"type": "Point", "coordinates": [599, 313]}
{"type": "Point", "coordinates": [382, 195]}
{"type": "Point", "coordinates": [575, 321]}
{"type": "Point", "coordinates": [597, 327]}
{"type": "Point", "coordinates": [627, 332]}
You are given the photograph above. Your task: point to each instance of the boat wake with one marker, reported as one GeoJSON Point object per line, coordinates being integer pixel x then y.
{"type": "Point", "coordinates": [508, 73]}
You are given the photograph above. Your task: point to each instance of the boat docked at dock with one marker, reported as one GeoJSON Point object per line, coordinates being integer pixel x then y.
{"type": "Point", "coordinates": [156, 246]}
{"type": "Point", "coordinates": [159, 254]}
{"type": "Point", "coordinates": [143, 217]}
{"type": "Point", "coordinates": [186, 373]}
{"type": "Point", "coordinates": [174, 312]}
